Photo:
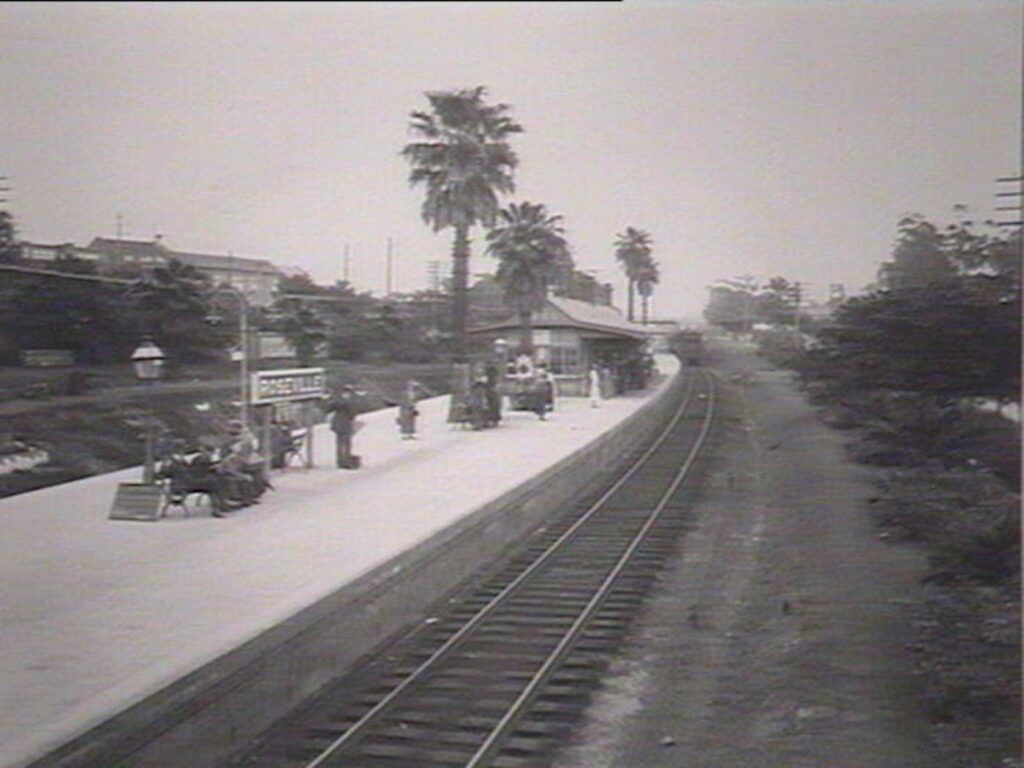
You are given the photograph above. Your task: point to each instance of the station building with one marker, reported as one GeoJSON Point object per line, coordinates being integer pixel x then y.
{"type": "Point", "coordinates": [569, 336]}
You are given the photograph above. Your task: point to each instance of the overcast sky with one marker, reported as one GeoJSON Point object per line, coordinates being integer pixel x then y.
{"type": "Point", "coordinates": [762, 138]}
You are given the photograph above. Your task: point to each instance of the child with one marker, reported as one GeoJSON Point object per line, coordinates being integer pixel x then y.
{"type": "Point", "coordinates": [407, 411]}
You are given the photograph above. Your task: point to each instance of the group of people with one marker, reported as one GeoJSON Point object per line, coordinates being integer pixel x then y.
{"type": "Point", "coordinates": [617, 375]}
{"type": "Point", "coordinates": [232, 472]}
{"type": "Point", "coordinates": [537, 393]}
{"type": "Point", "coordinates": [229, 472]}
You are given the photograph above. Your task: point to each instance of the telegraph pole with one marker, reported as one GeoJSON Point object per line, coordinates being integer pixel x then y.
{"type": "Point", "coordinates": [798, 295]}
{"type": "Point", "coordinates": [388, 269]}
{"type": "Point", "coordinates": [1010, 180]}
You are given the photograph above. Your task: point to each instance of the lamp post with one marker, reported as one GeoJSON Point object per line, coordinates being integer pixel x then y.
{"type": "Point", "coordinates": [148, 360]}
{"type": "Point", "coordinates": [501, 352]}
{"type": "Point", "coordinates": [243, 345]}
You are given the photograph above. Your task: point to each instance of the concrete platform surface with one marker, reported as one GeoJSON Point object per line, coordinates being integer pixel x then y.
{"type": "Point", "coordinates": [97, 614]}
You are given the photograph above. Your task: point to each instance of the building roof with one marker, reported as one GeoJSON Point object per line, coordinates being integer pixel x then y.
{"type": "Point", "coordinates": [154, 249]}
{"type": "Point", "coordinates": [560, 312]}
{"type": "Point", "coordinates": [149, 249]}
{"type": "Point", "coordinates": [227, 263]}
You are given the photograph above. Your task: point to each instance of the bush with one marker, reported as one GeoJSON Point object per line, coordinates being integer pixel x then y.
{"type": "Point", "coordinates": [968, 520]}
{"type": "Point", "coordinates": [781, 347]}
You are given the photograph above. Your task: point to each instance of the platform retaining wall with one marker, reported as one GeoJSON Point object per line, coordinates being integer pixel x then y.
{"type": "Point", "coordinates": [204, 718]}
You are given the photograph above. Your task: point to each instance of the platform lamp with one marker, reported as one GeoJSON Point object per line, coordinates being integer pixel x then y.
{"type": "Point", "coordinates": [501, 352]}
{"type": "Point", "coordinates": [148, 360]}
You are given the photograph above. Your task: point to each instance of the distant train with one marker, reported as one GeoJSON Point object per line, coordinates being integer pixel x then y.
{"type": "Point", "coordinates": [688, 346]}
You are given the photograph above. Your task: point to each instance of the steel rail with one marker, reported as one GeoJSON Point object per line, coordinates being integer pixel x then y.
{"type": "Point", "coordinates": [551, 551]}
{"type": "Point", "coordinates": [489, 745]}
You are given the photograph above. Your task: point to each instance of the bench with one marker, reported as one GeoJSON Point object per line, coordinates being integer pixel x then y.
{"type": "Point", "coordinates": [295, 450]}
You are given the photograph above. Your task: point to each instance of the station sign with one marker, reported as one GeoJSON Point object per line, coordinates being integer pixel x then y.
{"type": "Point", "coordinates": [288, 385]}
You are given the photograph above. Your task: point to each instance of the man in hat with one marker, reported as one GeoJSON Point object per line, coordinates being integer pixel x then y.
{"type": "Point", "coordinates": [341, 411]}
{"type": "Point", "coordinates": [243, 452]}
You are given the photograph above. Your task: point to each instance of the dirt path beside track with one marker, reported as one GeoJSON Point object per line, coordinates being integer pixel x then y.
{"type": "Point", "coordinates": [779, 636]}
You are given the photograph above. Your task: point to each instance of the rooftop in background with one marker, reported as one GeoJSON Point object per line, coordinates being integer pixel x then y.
{"type": "Point", "coordinates": [256, 278]}
{"type": "Point", "coordinates": [155, 249]}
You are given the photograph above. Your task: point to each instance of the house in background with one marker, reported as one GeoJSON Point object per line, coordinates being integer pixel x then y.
{"type": "Point", "coordinates": [42, 253]}
{"type": "Point", "coordinates": [256, 278]}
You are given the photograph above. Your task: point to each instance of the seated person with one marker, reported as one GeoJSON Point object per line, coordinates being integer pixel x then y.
{"type": "Point", "coordinates": [245, 457]}
{"type": "Point", "coordinates": [281, 443]}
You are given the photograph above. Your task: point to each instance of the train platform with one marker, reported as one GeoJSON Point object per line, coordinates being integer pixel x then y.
{"type": "Point", "coordinates": [99, 614]}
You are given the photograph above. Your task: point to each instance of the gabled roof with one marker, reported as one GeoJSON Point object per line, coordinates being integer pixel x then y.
{"type": "Point", "coordinates": [560, 312]}
{"type": "Point", "coordinates": [149, 249]}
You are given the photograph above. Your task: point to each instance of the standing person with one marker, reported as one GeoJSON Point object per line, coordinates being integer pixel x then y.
{"type": "Point", "coordinates": [478, 408]}
{"type": "Point", "coordinates": [594, 383]}
{"type": "Point", "coordinates": [493, 377]}
{"type": "Point", "coordinates": [545, 384]}
{"type": "Point", "coordinates": [407, 411]}
{"type": "Point", "coordinates": [342, 414]}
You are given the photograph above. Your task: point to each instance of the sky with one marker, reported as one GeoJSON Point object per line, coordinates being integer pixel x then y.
{"type": "Point", "coordinates": [748, 138]}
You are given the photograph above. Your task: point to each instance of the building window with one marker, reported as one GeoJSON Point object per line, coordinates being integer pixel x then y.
{"type": "Point", "coordinates": [564, 360]}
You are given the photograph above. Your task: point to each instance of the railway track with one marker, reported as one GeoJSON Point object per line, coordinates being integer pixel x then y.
{"type": "Point", "coordinates": [504, 672]}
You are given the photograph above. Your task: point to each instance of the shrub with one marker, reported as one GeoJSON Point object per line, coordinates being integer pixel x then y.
{"type": "Point", "coordinates": [968, 520]}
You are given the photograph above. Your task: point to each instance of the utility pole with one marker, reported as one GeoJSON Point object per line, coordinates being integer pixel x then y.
{"type": "Point", "coordinates": [1010, 180]}
{"type": "Point", "coordinates": [345, 264]}
{"type": "Point", "coordinates": [120, 225]}
{"type": "Point", "coordinates": [797, 294]}
{"type": "Point", "coordinates": [388, 270]}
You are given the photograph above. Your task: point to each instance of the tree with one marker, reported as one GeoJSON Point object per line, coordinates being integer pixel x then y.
{"type": "Point", "coordinates": [301, 327]}
{"type": "Point", "coordinates": [950, 340]}
{"type": "Point", "coordinates": [981, 249]}
{"type": "Point", "coordinates": [732, 304]}
{"type": "Point", "coordinates": [633, 250]}
{"type": "Point", "coordinates": [9, 248]}
{"type": "Point", "coordinates": [919, 257]}
{"type": "Point", "coordinates": [173, 305]}
{"type": "Point", "coordinates": [300, 283]}
{"type": "Point", "coordinates": [779, 302]}
{"type": "Point", "coordinates": [464, 161]}
{"type": "Point", "coordinates": [48, 311]}
{"type": "Point", "coordinates": [531, 249]}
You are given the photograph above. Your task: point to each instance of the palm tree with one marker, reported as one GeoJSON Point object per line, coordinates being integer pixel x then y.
{"type": "Point", "coordinates": [633, 250]}
{"type": "Point", "coordinates": [647, 278]}
{"type": "Point", "coordinates": [173, 305]}
{"type": "Point", "coordinates": [530, 248]}
{"type": "Point", "coordinates": [464, 161]}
